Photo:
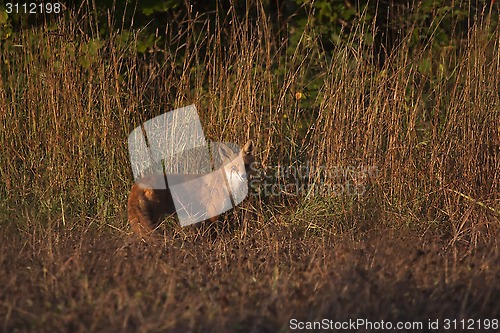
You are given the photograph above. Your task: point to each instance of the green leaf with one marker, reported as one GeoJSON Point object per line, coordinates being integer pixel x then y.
{"type": "Point", "coordinates": [425, 66]}
{"type": "Point", "coordinates": [3, 17]}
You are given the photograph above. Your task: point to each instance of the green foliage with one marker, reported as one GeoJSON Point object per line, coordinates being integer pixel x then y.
{"type": "Point", "coordinates": [5, 26]}
{"type": "Point", "coordinates": [150, 7]}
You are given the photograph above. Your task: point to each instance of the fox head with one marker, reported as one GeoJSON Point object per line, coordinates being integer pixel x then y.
{"type": "Point", "coordinates": [248, 158]}
{"type": "Point", "coordinates": [237, 167]}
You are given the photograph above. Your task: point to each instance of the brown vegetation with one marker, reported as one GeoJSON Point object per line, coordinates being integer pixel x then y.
{"type": "Point", "coordinates": [417, 240]}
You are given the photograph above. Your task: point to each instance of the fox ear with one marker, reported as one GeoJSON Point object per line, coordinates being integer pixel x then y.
{"type": "Point", "coordinates": [225, 152]}
{"type": "Point", "coordinates": [247, 153]}
{"type": "Point", "coordinates": [248, 148]}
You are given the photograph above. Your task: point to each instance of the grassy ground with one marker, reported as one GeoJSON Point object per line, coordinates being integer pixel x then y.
{"type": "Point", "coordinates": [376, 194]}
{"type": "Point", "coordinates": [84, 280]}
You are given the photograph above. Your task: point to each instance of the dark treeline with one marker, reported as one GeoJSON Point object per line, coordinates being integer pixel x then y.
{"type": "Point", "coordinates": [331, 20]}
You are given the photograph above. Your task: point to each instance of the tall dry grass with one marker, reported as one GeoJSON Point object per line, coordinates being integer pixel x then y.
{"type": "Point", "coordinates": [418, 241]}
{"type": "Point", "coordinates": [69, 97]}
{"type": "Point", "coordinates": [433, 135]}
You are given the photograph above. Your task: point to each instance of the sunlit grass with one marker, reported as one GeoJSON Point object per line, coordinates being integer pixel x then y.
{"type": "Point", "coordinates": [423, 130]}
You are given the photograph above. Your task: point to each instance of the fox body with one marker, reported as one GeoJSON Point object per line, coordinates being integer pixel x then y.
{"type": "Point", "coordinates": [150, 200]}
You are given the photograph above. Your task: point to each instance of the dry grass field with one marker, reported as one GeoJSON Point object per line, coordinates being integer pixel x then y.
{"type": "Point", "coordinates": [376, 194]}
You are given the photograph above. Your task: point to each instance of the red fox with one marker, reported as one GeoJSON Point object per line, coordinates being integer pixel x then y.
{"type": "Point", "coordinates": [149, 203]}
